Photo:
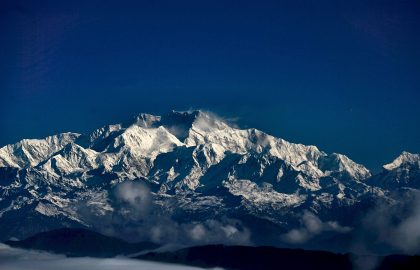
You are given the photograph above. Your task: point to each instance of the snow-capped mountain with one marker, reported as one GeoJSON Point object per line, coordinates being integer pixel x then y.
{"type": "Point", "coordinates": [193, 169]}
{"type": "Point", "coordinates": [404, 171]}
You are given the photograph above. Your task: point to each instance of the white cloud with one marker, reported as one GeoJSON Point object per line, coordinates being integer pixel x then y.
{"type": "Point", "coordinates": [227, 231]}
{"type": "Point", "coordinates": [137, 195]}
{"type": "Point", "coordinates": [311, 226]}
{"type": "Point", "coordinates": [136, 217]}
{"type": "Point", "coordinates": [18, 259]}
{"type": "Point", "coordinates": [395, 225]}
{"type": "Point", "coordinates": [198, 232]}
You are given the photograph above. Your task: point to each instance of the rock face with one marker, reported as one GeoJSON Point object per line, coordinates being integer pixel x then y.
{"type": "Point", "coordinates": [193, 167]}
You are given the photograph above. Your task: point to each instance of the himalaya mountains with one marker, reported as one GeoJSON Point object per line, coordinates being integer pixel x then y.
{"type": "Point", "coordinates": [190, 177]}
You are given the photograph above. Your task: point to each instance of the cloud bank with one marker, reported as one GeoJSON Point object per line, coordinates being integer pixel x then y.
{"type": "Point", "coordinates": [18, 259]}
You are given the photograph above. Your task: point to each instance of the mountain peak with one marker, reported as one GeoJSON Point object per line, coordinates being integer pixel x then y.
{"type": "Point", "coordinates": [405, 158]}
{"type": "Point", "coordinates": [189, 116]}
{"type": "Point", "coordinates": [30, 152]}
{"type": "Point", "coordinates": [339, 163]}
{"type": "Point", "coordinates": [179, 123]}
{"type": "Point", "coordinates": [147, 120]}
{"type": "Point", "coordinates": [188, 112]}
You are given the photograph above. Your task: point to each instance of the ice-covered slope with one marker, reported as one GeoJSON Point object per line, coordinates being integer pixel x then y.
{"type": "Point", "coordinates": [406, 159]}
{"type": "Point", "coordinates": [31, 152]}
{"type": "Point", "coordinates": [404, 171]}
{"type": "Point", "coordinates": [193, 165]}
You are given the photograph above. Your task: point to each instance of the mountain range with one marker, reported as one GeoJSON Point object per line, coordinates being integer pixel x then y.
{"type": "Point", "coordinates": [191, 178]}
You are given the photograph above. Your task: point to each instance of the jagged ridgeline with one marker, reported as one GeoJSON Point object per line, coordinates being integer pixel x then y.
{"type": "Point", "coordinates": [186, 176]}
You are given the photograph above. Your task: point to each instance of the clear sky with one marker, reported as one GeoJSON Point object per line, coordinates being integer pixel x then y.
{"type": "Point", "coordinates": [342, 75]}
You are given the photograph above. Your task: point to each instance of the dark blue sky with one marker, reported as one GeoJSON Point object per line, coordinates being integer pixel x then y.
{"type": "Point", "coordinates": [343, 76]}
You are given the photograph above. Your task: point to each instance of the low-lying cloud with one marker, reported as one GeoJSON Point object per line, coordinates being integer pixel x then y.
{"type": "Point", "coordinates": [19, 259]}
{"type": "Point", "coordinates": [136, 197]}
{"type": "Point", "coordinates": [211, 231]}
{"type": "Point", "coordinates": [137, 216]}
{"type": "Point", "coordinates": [311, 226]}
{"type": "Point", "coordinates": [394, 226]}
